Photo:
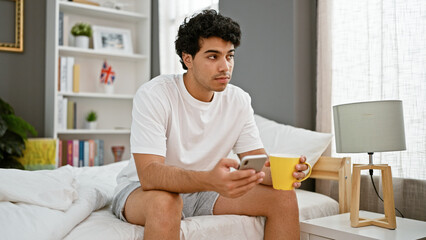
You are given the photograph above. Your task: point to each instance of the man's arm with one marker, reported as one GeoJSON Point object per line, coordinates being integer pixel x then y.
{"type": "Point", "coordinates": [267, 170]}
{"type": "Point", "coordinates": [155, 175]}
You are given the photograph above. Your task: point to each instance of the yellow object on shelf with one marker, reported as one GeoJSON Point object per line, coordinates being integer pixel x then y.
{"type": "Point", "coordinates": [39, 153]}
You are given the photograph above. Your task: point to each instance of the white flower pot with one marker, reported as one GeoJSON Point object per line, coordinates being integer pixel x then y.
{"type": "Point", "coordinates": [109, 88]}
{"type": "Point", "coordinates": [81, 42]}
{"type": "Point", "coordinates": [91, 125]}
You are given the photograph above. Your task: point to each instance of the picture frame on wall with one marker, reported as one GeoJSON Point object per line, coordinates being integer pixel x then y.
{"type": "Point", "coordinates": [112, 39]}
{"type": "Point", "coordinates": [12, 25]}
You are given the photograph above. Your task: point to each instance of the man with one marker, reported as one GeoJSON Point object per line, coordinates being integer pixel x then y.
{"type": "Point", "coordinates": [183, 128]}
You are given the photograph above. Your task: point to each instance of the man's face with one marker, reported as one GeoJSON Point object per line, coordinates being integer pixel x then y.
{"type": "Point", "coordinates": [212, 65]}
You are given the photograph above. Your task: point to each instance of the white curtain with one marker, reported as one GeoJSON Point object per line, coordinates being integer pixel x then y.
{"type": "Point", "coordinates": [171, 15]}
{"type": "Point", "coordinates": [376, 50]}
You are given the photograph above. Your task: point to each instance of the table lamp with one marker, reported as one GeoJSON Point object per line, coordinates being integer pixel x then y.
{"type": "Point", "coordinates": [368, 127]}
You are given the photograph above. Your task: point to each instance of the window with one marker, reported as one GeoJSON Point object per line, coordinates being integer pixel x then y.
{"type": "Point", "coordinates": [376, 52]}
{"type": "Point", "coordinates": [171, 15]}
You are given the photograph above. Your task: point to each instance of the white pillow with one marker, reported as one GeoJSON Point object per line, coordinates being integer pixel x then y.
{"type": "Point", "coordinates": [280, 138]}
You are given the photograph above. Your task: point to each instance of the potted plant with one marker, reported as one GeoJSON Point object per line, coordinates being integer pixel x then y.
{"type": "Point", "coordinates": [13, 133]}
{"type": "Point", "coordinates": [82, 32]}
{"type": "Point", "coordinates": [91, 120]}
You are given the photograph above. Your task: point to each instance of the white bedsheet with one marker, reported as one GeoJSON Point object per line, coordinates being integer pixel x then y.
{"type": "Point", "coordinates": [90, 217]}
{"type": "Point", "coordinates": [27, 220]}
{"type": "Point", "coordinates": [103, 224]}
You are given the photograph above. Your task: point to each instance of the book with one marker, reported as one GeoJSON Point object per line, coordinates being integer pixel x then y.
{"type": "Point", "coordinates": [76, 78]}
{"type": "Point", "coordinates": [64, 154]}
{"type": "Point", "coordinates": [70, 75]}
{"type": "Point", "coordinates": [101, 152]}
{"type": "Point", "coordinates": [92, 152]}
{"type": "Point", "coordinates": [86, 153]}
{"type": "Point", "coordinates": [86, 2]}
{"type": "Point", "coordinates": [74, 120]}
{"type": "Point", "coordinates": [70, 115]}
{"type": "Point", "coordinates": [39, 153]}
{"type": "Point", "coordinates": [67, 30]}
{"type": "Point", "coordinates": [99, 157]}
{"type": "Point", "coordinates": [61, 29]}
{"type": "Point", "coordinates": [60, 113]}
{"type": "Point", "coordinates": [63, 74]}
{"type": "Point", "coordinates": [96, 163]}
{"type": "Point", "coordinates": [59, 74]}
{"type": "Point", "coordinates": [59, 159]}
{"type": "Point", "coordinates": [75, 152]}
{"type": "Point", "coordinates": [64, 113]}
{"type": "Point", "coordinates": [81, 153]}
{"type": "Point", "coordinates": [69, 152]}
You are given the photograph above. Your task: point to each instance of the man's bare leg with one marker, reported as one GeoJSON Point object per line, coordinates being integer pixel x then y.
{"type": "Point", "coordinates": [279, 207]}
{"type": "Point", "coordinates": [159, 211]}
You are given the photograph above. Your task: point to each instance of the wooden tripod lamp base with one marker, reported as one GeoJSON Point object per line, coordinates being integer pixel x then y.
{"type": "Point", "coordinates": [389, 221]}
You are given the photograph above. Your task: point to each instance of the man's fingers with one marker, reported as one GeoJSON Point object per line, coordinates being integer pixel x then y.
{"type": "Point", "coordinates": [236, 175]}
{"type": "Point", "coordinates": [238, 192]}
{"type": "Point", "coordinates": [257, 178]}
{"type": "Point", "coordinates": [299, 175]}
{"type": "Point", "coordinates": [228, 162]}
{"type": "Point", "coordinates": [301, 167]}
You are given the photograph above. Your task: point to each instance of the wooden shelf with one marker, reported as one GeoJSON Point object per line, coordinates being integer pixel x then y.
{"type": "Point", "coordinates": [96, 131]}
{"type": "Point", "coordinates": [97, 95]}
{"type": "Point", "coordinates": [73, 51]}
{"type": "Point", "coordinates": [100, 12]}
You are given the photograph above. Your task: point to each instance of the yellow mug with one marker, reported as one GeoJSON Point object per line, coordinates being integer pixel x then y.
{"type": "Point", "coordinates": [282, 168]}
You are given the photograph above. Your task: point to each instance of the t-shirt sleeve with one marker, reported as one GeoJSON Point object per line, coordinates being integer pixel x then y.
{"type": "Point", "coordinates": [249, 138]}
{"type": "Point", "coordinates": [149, 123]}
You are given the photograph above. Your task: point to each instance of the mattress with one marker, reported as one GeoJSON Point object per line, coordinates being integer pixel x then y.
{"type": "Point", "coordinates": [102, 224]}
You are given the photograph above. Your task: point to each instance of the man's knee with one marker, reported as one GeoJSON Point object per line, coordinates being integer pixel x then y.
{"type": "Point", "coordinates": [284, 201]}
{"type": "Point", "coordinates": [164, 206]}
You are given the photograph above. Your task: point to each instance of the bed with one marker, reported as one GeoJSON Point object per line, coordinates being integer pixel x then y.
{"type": "Point", "coordinates": [74, 203]}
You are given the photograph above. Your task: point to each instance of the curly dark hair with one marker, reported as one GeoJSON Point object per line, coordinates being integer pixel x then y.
{"type": "Point", "coordinates": [206, 24]}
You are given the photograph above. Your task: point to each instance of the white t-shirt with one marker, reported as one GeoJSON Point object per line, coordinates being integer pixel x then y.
{"type": "Point", "coordinates": [189, 133]}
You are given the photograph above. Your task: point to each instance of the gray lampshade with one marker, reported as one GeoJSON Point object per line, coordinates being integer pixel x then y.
{"type": "Point", "coordinates": [376, 126]}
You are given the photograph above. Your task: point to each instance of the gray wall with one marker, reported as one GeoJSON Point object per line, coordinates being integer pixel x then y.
{"type": "Point", "coordinates": [22, 74]}
{"type": "Point", "coordinates": [275, 62]}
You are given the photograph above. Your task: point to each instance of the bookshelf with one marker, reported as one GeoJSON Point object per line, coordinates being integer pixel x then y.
{"type": "Point", "coordinates": [131, 71]}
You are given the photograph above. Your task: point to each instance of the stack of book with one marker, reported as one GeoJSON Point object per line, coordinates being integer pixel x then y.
{"type": "Point", "coordinates": [67, 114]}
{"type": "Point", "coordinates": [81, 153]}
{"type": "Point", "coordinates": [69, 75]}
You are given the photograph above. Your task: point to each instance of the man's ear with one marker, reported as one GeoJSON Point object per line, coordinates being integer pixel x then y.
{"type": "Point", "coordinates": [187, 59]}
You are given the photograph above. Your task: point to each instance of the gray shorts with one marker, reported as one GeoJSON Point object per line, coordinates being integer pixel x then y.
{"type": "Point", "coordinates": [194, 204]}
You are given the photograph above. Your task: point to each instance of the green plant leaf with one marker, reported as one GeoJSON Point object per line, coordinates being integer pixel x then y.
{"type": "Point", "coordinates": [11, 163]}
{"type": "Point", "coordinates": [81, 29]}
{"type": "Point", "coordinates": [5, 108]}
{"type": "Point", "coordinates": [11, 144]}
{"type": "Point", "coordinates": [19, 126]}
{"type": "Point", "coordinates": [92, 116]}
{"type": "Point", "coordinates": [3, 126]}
{"type": "Point", "coordinates": [13, 132]}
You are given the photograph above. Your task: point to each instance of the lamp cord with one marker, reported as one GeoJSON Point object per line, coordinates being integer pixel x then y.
{"type": "Point", "coordinates": [371, 177]}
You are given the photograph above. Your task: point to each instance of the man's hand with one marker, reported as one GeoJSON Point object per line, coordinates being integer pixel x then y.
{"type": "Point", "coordinates": [233, 184]}
{"type": "Point", "coordinates": [299, 174]}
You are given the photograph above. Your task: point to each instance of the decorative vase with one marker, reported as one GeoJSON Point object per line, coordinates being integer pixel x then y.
{"type": "Point", "coordinates": [81, 42]}
{"type": "Point", "coordinates": [91, 125]}
{"type": "Point", "coordinates": [117, 151]}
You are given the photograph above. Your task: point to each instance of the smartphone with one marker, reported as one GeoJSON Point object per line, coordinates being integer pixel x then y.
{"type": "Point", "coordinates": [255, 162]}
